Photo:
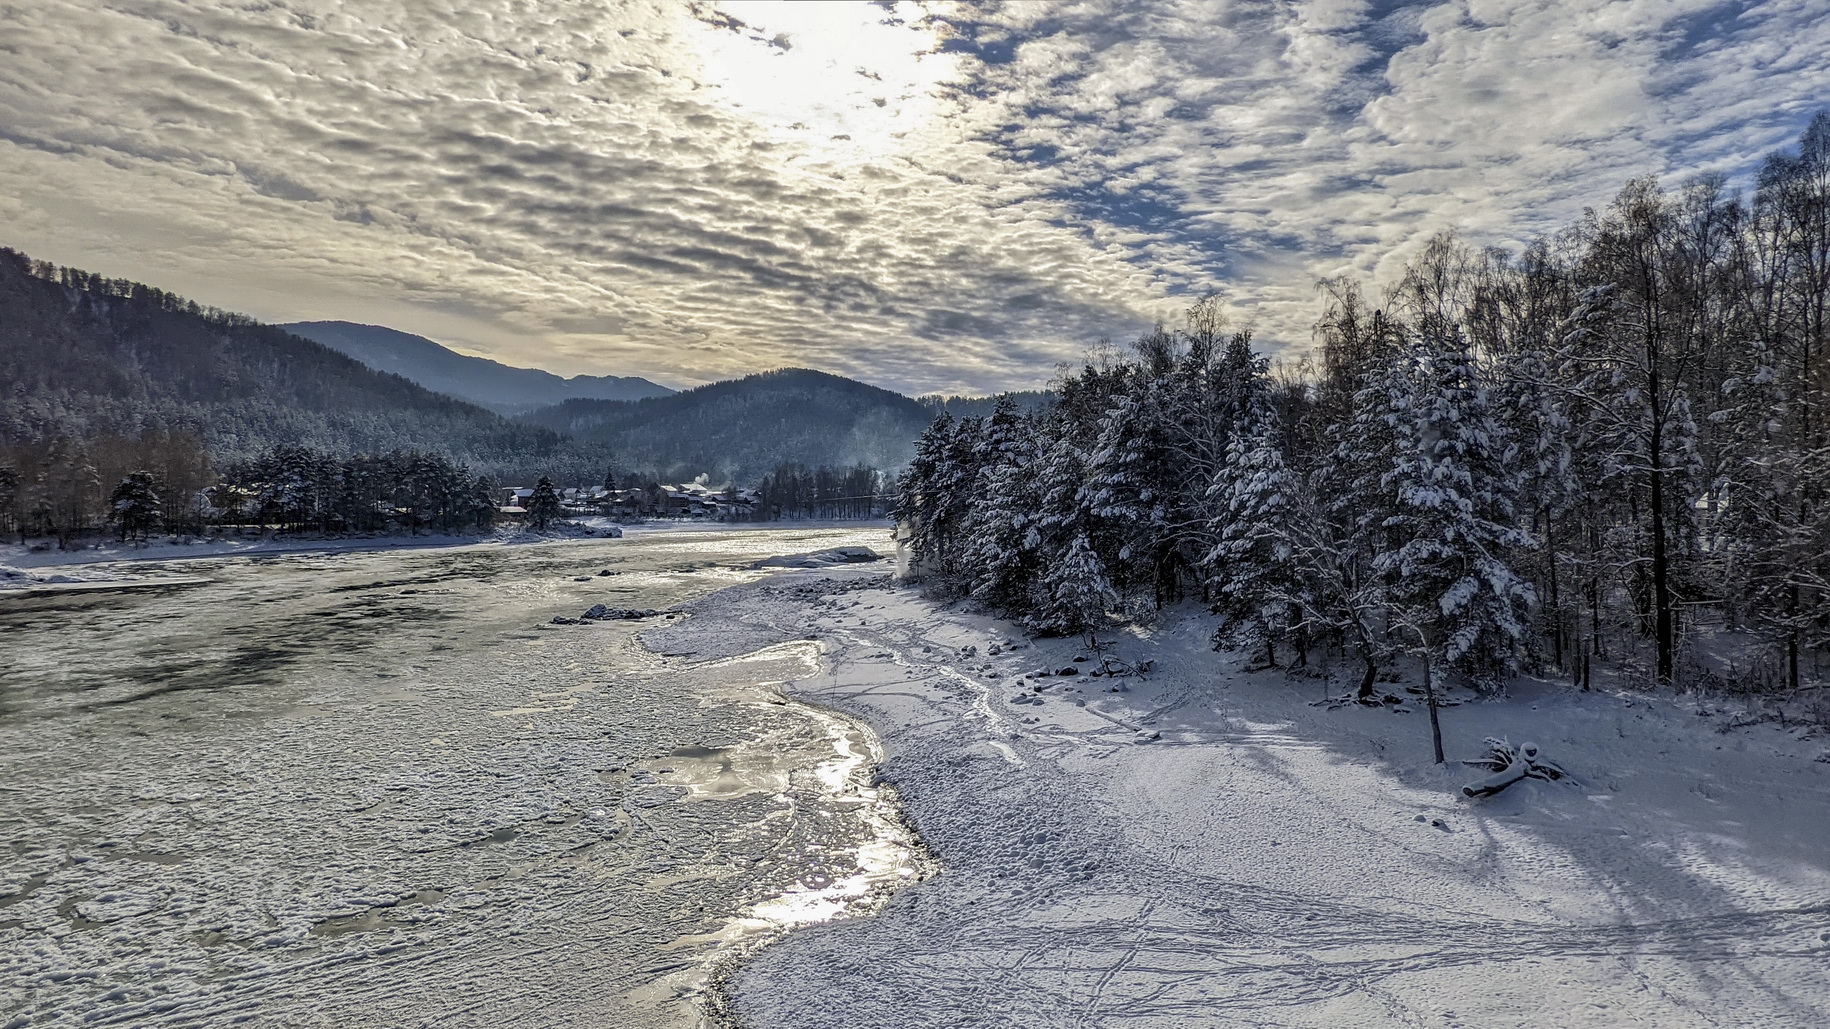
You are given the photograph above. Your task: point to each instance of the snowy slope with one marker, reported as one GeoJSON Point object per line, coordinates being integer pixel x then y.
{"type": "Point", "coordinates": [1208, 848]}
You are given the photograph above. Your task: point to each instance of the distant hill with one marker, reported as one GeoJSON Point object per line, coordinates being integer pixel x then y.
{"type": "Point", "coordinates": [742, 428]}
{"type": "Point", "coordinates": [500, 387]}
{"type": "Point", "coordinates": [84, 356]}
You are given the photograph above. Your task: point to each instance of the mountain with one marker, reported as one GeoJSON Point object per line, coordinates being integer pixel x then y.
{"type": "Point", "coordinates": [501, 388]}
{"type": "Point", "coordinates": [740, 429]}
{"type": "Point", "coordinates": [83, 356]}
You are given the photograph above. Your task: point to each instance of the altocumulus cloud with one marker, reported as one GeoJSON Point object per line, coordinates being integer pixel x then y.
{"type": "Point", "coordinates": [938, 196]}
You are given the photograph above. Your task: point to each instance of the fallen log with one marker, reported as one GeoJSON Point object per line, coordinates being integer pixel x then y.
{"type": "Point", "coordinates": [1499, 780]}
{"type": "Point", "coordinates": [1509, 765]}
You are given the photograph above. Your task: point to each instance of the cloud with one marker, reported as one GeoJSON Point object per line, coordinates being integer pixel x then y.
{"type": "Point", "coordinates": [947, 197]}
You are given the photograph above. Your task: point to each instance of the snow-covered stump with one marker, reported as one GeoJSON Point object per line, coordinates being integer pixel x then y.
{"type": "Point", "coordinates": [1509, 765]}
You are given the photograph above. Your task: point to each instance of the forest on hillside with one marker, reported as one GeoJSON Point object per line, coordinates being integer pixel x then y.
{"type": "Point", "coordinates": [86, 359]}
{"type": "Point", "coordinates": [740, 429]}
{"type": "Point", "coordinates": [1613, 446]}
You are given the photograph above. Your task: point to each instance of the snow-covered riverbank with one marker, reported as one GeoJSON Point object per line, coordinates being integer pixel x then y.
{"type": "Point", "coordinates": [1209, 848]}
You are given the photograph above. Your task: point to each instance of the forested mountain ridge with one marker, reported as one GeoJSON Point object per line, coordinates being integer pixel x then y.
{"type": "Point", "coordinates": [1027, 401]}
{"type": "Point", "coordinates": [83, 356]}
{"type": "Point", "coordinates": [742, 428]}
{"type": "Point", "coordinates": [502, 388]}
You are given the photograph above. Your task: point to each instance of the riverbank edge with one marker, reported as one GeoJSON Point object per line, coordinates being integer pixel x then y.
{"type": "Point", "coordinates": [719, 1002]}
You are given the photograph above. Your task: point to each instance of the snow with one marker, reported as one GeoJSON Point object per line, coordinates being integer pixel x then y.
{"type": "Point", "coordinates": [422, 807]}
{"type": "Point", "coordinates": [1208, 846]}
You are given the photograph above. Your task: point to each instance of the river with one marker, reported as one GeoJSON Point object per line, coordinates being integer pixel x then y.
{"type": "Point", "coordinates": [382, 789]}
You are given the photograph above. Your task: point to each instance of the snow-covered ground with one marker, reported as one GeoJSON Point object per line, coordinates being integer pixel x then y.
{"type": "Point", "coordinates": [1210, 847]}
{"type": "Point", "coordinates": [371, 789]}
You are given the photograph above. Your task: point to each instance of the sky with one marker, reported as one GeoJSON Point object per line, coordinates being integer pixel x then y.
{"type": "Point", "coordinates": [933, 197]}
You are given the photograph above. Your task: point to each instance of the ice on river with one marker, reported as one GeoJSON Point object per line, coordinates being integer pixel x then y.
{"type": "Point", "coordinates": [373, 789]}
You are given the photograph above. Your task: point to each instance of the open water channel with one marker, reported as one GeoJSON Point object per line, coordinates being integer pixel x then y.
{"type": "Point", "coordinates": [381, 789]}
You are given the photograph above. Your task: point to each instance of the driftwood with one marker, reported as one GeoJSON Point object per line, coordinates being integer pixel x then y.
{"type": "Point", "coordinates": [1509, 764]}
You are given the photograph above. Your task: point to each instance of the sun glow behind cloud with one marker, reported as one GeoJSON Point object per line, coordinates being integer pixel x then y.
{"type": "Point", "coordinates": [929, 196]}
{"type": "Point", "coordinates": [846, 84]}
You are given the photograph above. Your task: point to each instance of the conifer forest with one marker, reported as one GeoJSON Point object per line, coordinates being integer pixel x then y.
{"type": "Point", "coordinates": [1606, 447]}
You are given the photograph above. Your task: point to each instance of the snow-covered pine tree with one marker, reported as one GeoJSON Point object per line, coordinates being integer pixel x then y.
{"type": "Point", "coordinates": [134, 505]}
{"type": "Point", "coordinates": [1075, 593]}
{"type": "Point", "coordinates": [1131, 483]}
{"type": "Point", "coordinates": [935, 493]}
{"type": "Point", "coordinates": [1449, 522]}
{"type": "Point", "coordinates": [543, 504]}
{"type": "Point", "coordinates": [1250, 564]}
{"type": "Point", "coordinates": [481, 502]}
{"type": "Point", "coordinates": [1000, 553]}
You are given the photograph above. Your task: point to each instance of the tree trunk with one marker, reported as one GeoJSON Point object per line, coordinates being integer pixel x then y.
{"type": "Point", "coordinates": [1556, 604]}
{"type": "Point", "coordinates": [1663, 629]}
{"type": "Point", "coordinates": [1429, 695]}
{"type": "Point", "coordinates": [1371, 676]}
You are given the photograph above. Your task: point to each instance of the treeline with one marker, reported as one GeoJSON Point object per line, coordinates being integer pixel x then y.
{"type": "Point", "coordinates": [297, 488]}
{"type": "Point", "coordinates": [64, 487]}
{"type": "Point", "coordinates": [93, 284]}
{"type": "Point", "coordinates": [797, 491]}
{"type": "Point", "coordinates": [1517, 459]}
{"type": "Point", "coordinates": [163, 482]}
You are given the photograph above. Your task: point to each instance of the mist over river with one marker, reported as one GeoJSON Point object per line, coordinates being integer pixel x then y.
{"type": "Point", "coordinates": [381, 789]}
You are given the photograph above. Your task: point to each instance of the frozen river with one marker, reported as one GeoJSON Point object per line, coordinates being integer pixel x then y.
{"type": "Point", "coordinates": [380, 789]}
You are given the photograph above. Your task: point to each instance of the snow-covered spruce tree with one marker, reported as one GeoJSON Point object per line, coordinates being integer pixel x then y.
{"type": "Point", "coordinates": [1075, 593]}
{"type": "Point", "coordinates": [935, 494]}
{"type": "Point", "coordinates": [1131, 481]}
{"type": "Point", "coordinates": [1449, 522]}
{"type": "Point", "coordinates": [1002, 548]}
{"type": "Point", "coordinates": [1251, 565]}
{"type": "Point", "coordinates": [1161, 437]}
{"type": "Point", "coordinates": [1061, 440]}
{"type": "Point", "coordinates": [134, 505]}
{"type": "Point", "coordinates": [543, 504]}
{"type": "Point", "coordinates": [480, 502]}
{"type": "Point", "coordinates": [1338, 525]}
